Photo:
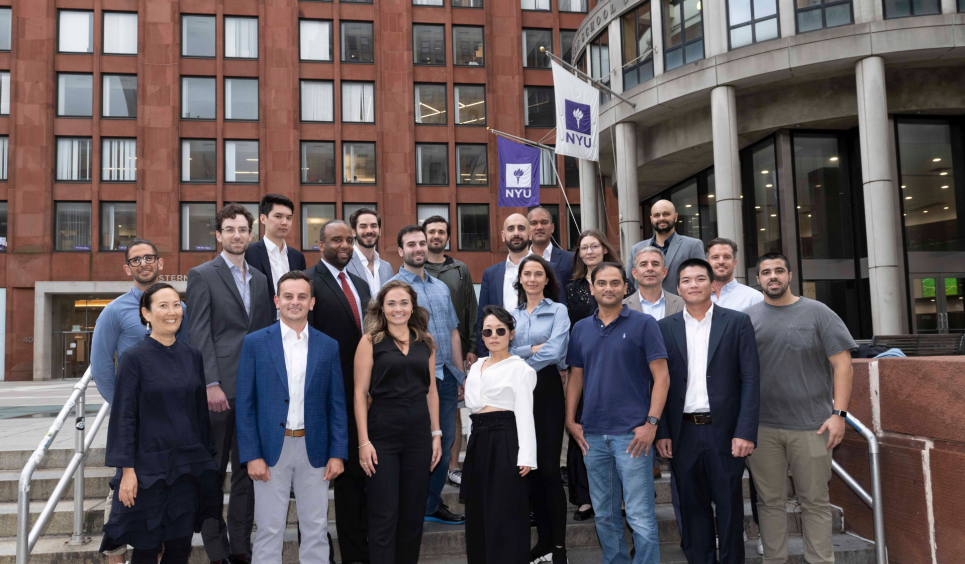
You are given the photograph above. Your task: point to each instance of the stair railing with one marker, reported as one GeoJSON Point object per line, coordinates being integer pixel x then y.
{"type": "Point", "coordinates": [27, 536]}
{"type": "Point", "coordinates": [872, 500]}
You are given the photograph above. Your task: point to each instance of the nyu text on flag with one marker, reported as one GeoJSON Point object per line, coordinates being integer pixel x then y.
{"type": "Point", "coordinates": [518, 174]}
{"type": "Point", "coordinates": [577, 116]}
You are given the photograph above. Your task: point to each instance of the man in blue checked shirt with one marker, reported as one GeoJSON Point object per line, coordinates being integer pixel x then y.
{"type": "Point", "coordinates": [443, 326]}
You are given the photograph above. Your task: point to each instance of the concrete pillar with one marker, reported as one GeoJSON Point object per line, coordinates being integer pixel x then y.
{"type": "Point", "coordinates": [628, 194]}
{"type": "Point", "coordinates": [591, 206]}
{"type": "Point", "coordinates": [880, 198]}
{"type": "Point", "coordinates": [727, 170]}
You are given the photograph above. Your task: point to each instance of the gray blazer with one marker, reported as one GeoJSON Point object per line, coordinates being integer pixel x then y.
{"type": "Point", "coordinates": [356, 267]}
{"type": "Point", "coordinates": [674, 303]}
{"type": "Point", "coordinates": [681, 249]}
{"type": "Point", "coordinates": [218, 322]}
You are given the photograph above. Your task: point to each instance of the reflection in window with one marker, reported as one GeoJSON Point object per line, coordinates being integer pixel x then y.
{"type": "Point", "coordinates": [120, 96]}
{"type": "Point", "coordinates": [317, 103]}
{"type": "Point", "coordinates": [3, 227]}
{"type": "Point", "coordinates": [819, 14]}
{"type": "Point", "coordinates": [72, 226]}
{"type": "Point", "coordinates": [425, 211]}
{"type": "Point", "coordinates": [762, 221]}
{"type": "Point", "coordinates": [5, 93]}
{"type": "Point", "coordinates": [75, 95]}
{"type": "Point", "coordinates": [533, 39]}
{"type": "Point", "coordinates": [471, 161]}
{"type": "Point", "coordinates": [120, 33]}
{"type": "Point", "coordinates": [751, 21]}
{"type": "Point", "coordinates": [467, 46]}
{"type": "Point", "coordinates": [472, 227]}
{"type": "Point", "coordinates": [198, 160]}
{"type": "Point", "coordinates": [254, 210]}
{"type": "Point", "coordinates": [315, 39]}
{"type": "Point", "coordinates": [824, 201]}
{"type": "Point", "coordinates": [541, 5]}
{"type": "Point", "coordinates": [358, 163]}
{"type": "Point", "coordinates": [427, 3]}
{"type": "Point", "coordinates": [5, 23]}
{"type": "Point", "coordinates": [637, 47]}
{"type": "Point", "coordinates": [118, 225]}
{"type": "Point", "coordinates": [357, 42]}
{"type": "Point", "coordinates": [241, 161]}
{"type": "Point", "coordinates": [314, 217]}
{"type": "Point", "coordinates": [547, 167]}
{"type": "Point", "coordinates": [198, 98]}
{"type": "Point", "coordinates": [572, 6]}
{"type": "Point", "coordinates": [197, 36]}
{"type": "Point", "coordinates": [74, 159]}
{"type": "Point", "coordinates": [119, 160]}
{"type": "Point", "coordinates": [429, 44]}
{"type": "Point", "coordinates": [574, 226]}
{"type": "Point", "coordinates": [349, 208]}
{"type": "Point", "coordinates": [694, 200]}
{"type": "Point", "coordinates": [240, 38]}
{"type": "Point", "coordinates": [683, 32]}
{"type": "Point", "coordinates": [467, 3]}
{"type": "Point", "coordinates": [4, 149]}
{"type": "Point", "coordinates": [539, 106]}
{"type": "Point", "coordinates": [566, 45]}
{"type": "Point", "coordinates": [76, 32]}
{"type": "Point", "coordinates": [241, 98]}
{"type": "Point", "coordinates": [928, 189]}
{"type": "Point", "coordinates": [318, 162]}
{"type": "Point", "coordinates": [430, 104]}
{"type": "Point", "coordinates": [571, 172]}
{"type": "Point", "coordinates": [198, 227]}
{"type": "Point", "coordinates": [470, 104]}
{"type": "Point", "coordinates": [600, 62]}
{"type": "Point", "coordinates": [358, 102]}
{"type": "Point", "coordinates": [431, 164]}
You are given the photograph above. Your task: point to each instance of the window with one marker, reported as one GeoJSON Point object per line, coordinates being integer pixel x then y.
{"type": "Point", "coordinates": [343, 1]}
{"type": "Point", "coordinates": [358, 45]}
{"type": "Point", "coordinates": [198, 98]}
{"type": "Point", "coordinates": [72, 226]}
{"type": "Point", "coordinates": [431, 164]}
{"type": "Point", "coordinates": [358, 163]}
{"type": "Point", "coordinates": [5, 26]}
{"type": "Point", "coordinates": [5, 93]}
{"type": "Point", "coordinates": [425, 211]}
{"type": "Point", "coordinates": [314, 217]}
{"type": "Point", "coordinates": [904, 8]}
{"type": "Point", "coordinates": [930, 193]}
{"type": "Point", "coordinates": [252, 208]}
{"type": "Point", "coordinates": [638, 46]}
{"type": "Point", "coordinates": [572, 6]}
{"type": "Point", "coordinates": [566, 45]}
{"type": "Point", "coordinates": [75, 95]}
{"type": "Point", "coordinates": [358, 102]}
{"type": "Point", "coordinates": [76, 33]}
{"type": "Point", "coordinates": [118, 225]}
{"type": "Point", "coordinates": [961, 5]}
{"type": "Point", "coordinates": [762, 212]}
{"type": "Point", "coordinates": [4, 156]}
{"type": "Point", "coordinates": [317, 103]}
{"type": "Point", "coordinates": [198, 227]}
{"type": "Point", "coordinates": [571, 172]}
{"type": "Point", "coordinates": [819, 14]}
{"type": "Point", "coordinates": [430, 104]}
{"type": "Point", "coordinates": [120, 96]}
{"type": "Point", "coordinates": [540, 108]}
{"type": "Point", "coordinates": [467, 46]}
{"type": "Point", "coordinates": [74, 159]}
{"type": "Point", "coordinates": [240, 38]}
{"type": "Point", "coordinates": [427, 2]}
{"type": "Point", "coordinates": [118, 160]}
{"type": "Point", "coordinates": [574, 223]}
{"type": "Point", "coordinates": [241, 98]}
{"type": "Point", "coordinates": [753, 22]}
{"type": "Point", "coordinates": [600, 61]}
{"type": "Point", "coordinates": [547, 168]}
{"type": "Point", "coordinates": [533, 39]}
{"type": "Point", "coordinates": [694, 200]}
{"type": "Point", "coordinates": [470, 104]}
{"type": "Point", "coordinates": [471, 161]}
{"type": "Point", "coordinates": [349, 209]}
{"type": "Point", "coordinates": [198, 160]}
{"type": "Point", "coordinates": [318, 162]}
{"type": "Point", "coordinates": [541, 5]}
{"type": "Point", "coordinates": [467, 3]}
{"type": "Point", "coordinates": [473, 227]}
{"type": "Point", "coordinates": [120, 33]}
{"type": "Point", "coordinates": [3, 227]}
{"type": "Point", "coordinates": [241, 161]}
{"type": "Point", "coordinates": [197, 36]}
{"type": "Point", "coordinates": [683, 31]}
{"type": "Point", "coordinates": [428, 44]}
{"type": "Point", "coordinates": [315, 38]}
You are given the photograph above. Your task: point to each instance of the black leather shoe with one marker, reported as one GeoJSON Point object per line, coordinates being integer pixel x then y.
{"type": "Point", "coordinates": [446, 517]}
{"type": "Point", "coordinates": [583, 515]}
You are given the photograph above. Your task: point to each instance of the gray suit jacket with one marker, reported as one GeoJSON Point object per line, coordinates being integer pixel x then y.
{"type": "Point", "coordinates": [681, 249]}
{"type": "Point", "coordinates": [356, 267]}
{"type": "Point", "coordinates": [674, 303]}
{"type": "Point", "coordinates": [219, 323]}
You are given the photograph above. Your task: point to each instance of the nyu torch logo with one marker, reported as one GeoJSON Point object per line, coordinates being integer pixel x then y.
{"type": "Point", "coordinates": [519, 180]}
{"type": "Point", "coordinates": [578, 125]}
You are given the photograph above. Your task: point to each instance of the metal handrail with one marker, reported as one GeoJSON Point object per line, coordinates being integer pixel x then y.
{"type": "Point", "coordinates": [27, 536]}
{"type": "Point", "coordinates": [873, 500]}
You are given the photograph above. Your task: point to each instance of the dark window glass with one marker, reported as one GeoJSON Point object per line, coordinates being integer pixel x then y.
{"type": "Point", "coordinates": [315, 40]}
{"type": "Point", "coordinates": [358, 163]}
{"type": "Point", "coordinates": [4, 154]}
{"type": "Point", "coordinates": [431, 164]}
{"type": "Point", "coordinates": [472, 163]}
{"type": "Point", "coordinates": [600, 62]}
{"type": "Point", "coordinates": [430, 104]}
{"type": "Point", "coordinates": [961, 5]}
{"type": "Point", "coordinates": [571, 172]}
{"type": "Point", "coordinates": [358, 45]}
{"type": "Point", "coordinates": [5, 22]}
{"type": "Point", "coordinates": [819, 14]}
{"type": "Point", "coordinates": [72, 226]}
{"type": "Point", "coordinates": [76, 32]}
{"type": "Point", "coordinates": [120, 96]}
{"type": "Point", "coordinates": [762, 212]}
{"type": "Point", "coordinates": [74, 159]}
{"type": "Point", "coordinates": [473, 227]}
{"type": "Point", "coordinates": [566, 45]}
{"type": "Point", "coordinates": [314, 217]}
{"type": "Point", "coordinates": [547, 168]}
{"type": "Point", "coordinates": [75, 95]}
{"type": "Point", "coordinates": [198, 162]}
{"type": "Point", "coordinates": [574, 222]}
{"type": "Point", "coordinates": [118, 225]}
{"type": "Point", "coordinates": [467, 46]}
{"type": "Point", "coordinates": [637, 47]}
{"type": "Point", "coordinates": [540, 108]}
{"type": "Point", "coordinates": [3, 227]}
{"type": "Point", "coordinates": [694, 199]}
{"type": "Point", "coordinates": [470, 104]}
{"type": "Point", "coordinates": [120, 33]}
{"type": "Point", "coordinates": [572, 6]}
{"type": "Point", "coordinates": [198, 227]}
{"type": "Point", "coordinates": [849, 299]}
{"type": "Point", "coordinates": [241, 98]}
{"type": "Point", "coordinates": [118, 160]}
{"type": "Point", "coordinates": [429, 44]}
{"type": "Point", "coordinates": [683, 32]}
{"type": "Point", "coordinates": [467, 3]}
{"type": "Point", "coordinates": [752, 21]}
{"type": "Point", "coordinates": [241, 161]}
{"type": "Point", "coordinates": [198, 36]}
{"type": "Point", "coordinates": [198, 98]}
{"type": "Point", "coordinates": [533, 39]}
{"type": "Point", "coordinates": [318, 162]}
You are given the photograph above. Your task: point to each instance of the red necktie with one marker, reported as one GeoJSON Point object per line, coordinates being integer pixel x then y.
{"type": "Point", "coordinates": [351, 299]}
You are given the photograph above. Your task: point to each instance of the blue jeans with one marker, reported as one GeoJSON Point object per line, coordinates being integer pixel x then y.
{"type": "Point", "coordinates": [448, 391]}
{"type": "Point", "coordinates": [615, 477]}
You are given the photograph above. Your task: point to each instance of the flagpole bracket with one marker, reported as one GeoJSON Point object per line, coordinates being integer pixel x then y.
{"type": "Point", "coordinates": [596, 83]}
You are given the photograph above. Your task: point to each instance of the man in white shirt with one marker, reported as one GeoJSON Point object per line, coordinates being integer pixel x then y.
{"type": "Point", "coordinates": [367, 229]}
{"type": "Point", "coordinates": [728, 292]}
{"type": "Point", "coordinates": [541, 229]}
{"type": "Point", "coordinates": [516, 237]}
{"type": "Point", "coordinates": [649, 271]}
{"type": "Point", "coordinates": [271, 256]}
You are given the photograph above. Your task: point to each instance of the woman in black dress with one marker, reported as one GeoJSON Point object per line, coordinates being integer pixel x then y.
{"type": "Point", "coordinates": [399, 438]}
{"type": "Point", "coordinates": [159, 439]}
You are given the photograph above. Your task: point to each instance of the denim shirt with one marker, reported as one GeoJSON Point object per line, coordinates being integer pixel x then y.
{"type": "Point", "coordinates": [548, 325]}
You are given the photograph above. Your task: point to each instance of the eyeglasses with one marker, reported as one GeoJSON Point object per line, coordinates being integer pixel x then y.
{"type": "Point", "coordinates": [588, 248]}
{"type": "Point", "coordinates": [146, 259]}
{"type": "Point", "coordinates": [231, 231]}
{"type": "Point", "coordinates": [489, 332]}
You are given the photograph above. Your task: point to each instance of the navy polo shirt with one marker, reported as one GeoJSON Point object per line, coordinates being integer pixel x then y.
{"type": "Point", "coordinates": [616, 371]}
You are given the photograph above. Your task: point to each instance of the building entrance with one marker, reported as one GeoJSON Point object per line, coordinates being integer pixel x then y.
{"type": "Point", "coordinates": [938, 303]}
{"type": "Point", "coordinates": [73, 322]}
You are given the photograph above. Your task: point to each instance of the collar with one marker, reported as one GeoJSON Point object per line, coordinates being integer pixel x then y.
{"type": "Point", "coordinates": [729, 287]}
{"type": "Point", "coordinates": [287, 333]}
{"type": "Point", "coordinates": [644, 300]}
{"type": "Point", "coordinates": [666, 244]}
{"type": "Point", "coordinates": [136, 293]}
{"type": "Point", "coordinates": [625, 312]}
{"type": "Point", "coordinates": [335, 272]}
{"type": "Point", "coordinates": [509, 263]}
{"type": "Point", "coordinates": [707, 317]}
{"type": "Point", "coordinates": [273, 248]}
{"type": "Point", "coordinates": [547, 252]}
{"type": "Point", "coordinates": [232, 266]}
{"type": "Point", "coordinates": [362, 259]}
{"type": "Point", "coordinates": [542, 302]}
{"type": "Point", "coordinates": [411, 277]}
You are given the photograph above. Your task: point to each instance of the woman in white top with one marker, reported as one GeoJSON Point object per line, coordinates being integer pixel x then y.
{"type": "Point", "coordinates": [499, 395]}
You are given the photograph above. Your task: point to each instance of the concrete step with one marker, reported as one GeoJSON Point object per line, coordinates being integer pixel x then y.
{"type": "Point", "coordinates": [15, 460]}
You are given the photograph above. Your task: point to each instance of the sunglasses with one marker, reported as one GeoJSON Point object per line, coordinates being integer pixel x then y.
{"type": "Point", "coordinates": [489, 332]}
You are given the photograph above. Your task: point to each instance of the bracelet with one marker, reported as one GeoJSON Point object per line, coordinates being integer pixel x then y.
{"type": "Point", "coordinates": [366, 444]}
{"type": "Point", "coordinates": [437, 433]}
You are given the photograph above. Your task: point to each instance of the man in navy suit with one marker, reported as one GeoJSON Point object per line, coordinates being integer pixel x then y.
{"type": "Point", "coordinates": [271, 256]}
{"type": "Point", "coordinates": [541, 229]}
{"type": "Point", "coordinates": [709, 424]}
{"type": "Point", "coordinates": [292, 423]}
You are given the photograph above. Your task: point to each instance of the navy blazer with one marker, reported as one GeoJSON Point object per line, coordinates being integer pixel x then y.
{"type": "Point", "coordinates": [563, 262]}
{"type": "Point", "coordinates": [733, 371]}
{"type": "Point", "coordinates": [261, 407]}
{"type": "Point", "coordinates": [257, 257]}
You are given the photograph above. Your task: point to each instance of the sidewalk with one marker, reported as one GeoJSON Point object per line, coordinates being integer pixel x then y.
{"type": "Point", "coordinates": [27, 409]}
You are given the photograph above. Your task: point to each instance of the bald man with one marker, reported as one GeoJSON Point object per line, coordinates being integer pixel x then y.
{"type": "Point", "coordinates": [676, 247]}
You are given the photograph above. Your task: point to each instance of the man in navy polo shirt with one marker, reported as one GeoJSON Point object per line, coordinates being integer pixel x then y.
{"type": "Point", "coordinates": [613, 356]}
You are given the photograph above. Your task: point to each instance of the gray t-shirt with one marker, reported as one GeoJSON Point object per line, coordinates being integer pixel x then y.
{"type": "Point", "coordinates": [794, 343]}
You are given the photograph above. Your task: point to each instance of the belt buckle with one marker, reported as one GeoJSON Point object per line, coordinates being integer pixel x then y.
{"type": "Point", "coordinates": [701, 419]}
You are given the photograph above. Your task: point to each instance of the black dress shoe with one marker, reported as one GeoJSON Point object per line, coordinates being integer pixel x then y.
{"type": "Point", "coordinates": [446, 517]}
{"type": "Point", "coordinates": [583, 515]}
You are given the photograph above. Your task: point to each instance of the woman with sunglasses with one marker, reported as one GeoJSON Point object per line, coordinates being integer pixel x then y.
{"type": "Point", "coordinates": [541, 339]}
{"type": "Point", "coordinates": [499, 395]}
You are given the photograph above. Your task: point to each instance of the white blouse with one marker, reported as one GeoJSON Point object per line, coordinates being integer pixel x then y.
{"type": "Point", "coordinates": [508, 385]}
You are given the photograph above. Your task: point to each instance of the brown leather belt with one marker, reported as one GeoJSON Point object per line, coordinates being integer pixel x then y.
{"type": "Point", "coordinates": [698, 418]}
{"type": "Point", "coordinates": [298, 433]}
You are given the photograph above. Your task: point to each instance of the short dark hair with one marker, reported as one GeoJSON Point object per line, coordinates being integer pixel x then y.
{"type": "Point", "coordinates": [353, 219]}
{"type": "Point", "coordinates": [720, 241]}
{"type": "Point", "coordinates": [552, 288]}
{"type": "Point", "coordinates": [774, 256]}
{"type": "Point", "coordinates": [321, 233]}
{"type": "Point", "coordinates": [136, 242]}
{"type": "Point", "coordinates": [271, 200]}
{"type": "Point", "coordinates": [695, 262]}
{"type": "Point", "coordinates": [602, 265]}
{"type": "Point", "coordinates": [499, 313]}
{"type": "Point", "coordinates": [232, 211]}
{"type": "Point", "coordinates": [534, 208]}
{"type": "Point", "coordinates": [146, 298]}
{"type": "Point", "coordinates": [409, 229]}
{"type": "Point", "coordinates": [438, 219]}
{"type": "Point", "coordinates": [296, 275]}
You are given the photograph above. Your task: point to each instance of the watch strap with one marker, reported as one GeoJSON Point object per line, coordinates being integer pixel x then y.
{"type": "Point", "coordinates": [840, 413]}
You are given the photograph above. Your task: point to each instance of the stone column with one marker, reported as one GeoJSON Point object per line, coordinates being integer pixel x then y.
{"type": "Point", "coordinates": [590, 197]}
{"type": "Point", "coordinates": [727, 174]}
{"type": "Point", "coordinates": [628, 194]}
{"type": "Point", "coordinates": [879, 197]}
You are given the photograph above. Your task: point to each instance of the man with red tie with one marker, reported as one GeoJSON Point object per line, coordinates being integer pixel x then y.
{"type": "Point", "coordinates": [340, 301]}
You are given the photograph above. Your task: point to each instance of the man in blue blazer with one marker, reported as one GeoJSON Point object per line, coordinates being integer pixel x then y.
{"type": "Point", "coordinates": [292, 424]}
{"type": "Point", "coordinates": [541, 230]}
{"type": "Point", "coordinates": [270, 255]}
{"type": "Point", "coordinates": [709, 423]}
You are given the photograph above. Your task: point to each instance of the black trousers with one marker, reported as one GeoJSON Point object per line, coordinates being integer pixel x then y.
{"type": "Point", "coordinates": [576, 469]}
{"type": "Point", "coordinates": [221, 541]}
{"type": "Point", "coordinates": [496, 496]}
{"type": "Point", "coordinates": [176, 551]}
{"type": "Point", "coordinates": [545, 483]}
{"type": "Point", "coordinates": [351, 506]}
{"type": "Point", "coordinates": [400, 431]}
{"type": "Point", "coordinates": [707, 473]}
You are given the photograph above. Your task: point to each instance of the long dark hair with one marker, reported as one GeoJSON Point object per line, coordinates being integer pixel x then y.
{"type": "Point", "coordinates": [146, 298]}
{"type": "Point", "coordinates": [377, 325]}
{"type": "Point", "coordinates": [552, 288]}
{"type": "Point", "coordinates": [609, 253]}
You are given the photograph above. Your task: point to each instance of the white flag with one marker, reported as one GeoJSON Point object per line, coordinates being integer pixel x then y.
{"type": "Point", "coordinates": [577, 116]}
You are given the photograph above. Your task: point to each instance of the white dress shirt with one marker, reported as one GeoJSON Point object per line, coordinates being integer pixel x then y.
{"type": "Point", "coordinates": [548, 252]}
{"type": "Point", "coordinates": [296, 361]}
{"type": "Point", "coordinates": [372, 276]}
{"type": "Point", "coordinates": [510, 296]}
{"type": "Point", "coordinates": [335, 272]}
{"type": "Point", "coordinates": [737, 296]}
{"type": "Point", "coordinates": [278, 260]}
{"type": "Point", "coordinates": [507, 385]}
{"type": "Point", "coordinates": [657, 309]}
{"type": "Point", "coordinates": [698, 341]}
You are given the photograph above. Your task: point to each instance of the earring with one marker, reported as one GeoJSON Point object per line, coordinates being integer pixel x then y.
{"type": "Point", "coordinates": [148, 325]}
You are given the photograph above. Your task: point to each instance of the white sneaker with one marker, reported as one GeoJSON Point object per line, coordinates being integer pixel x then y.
{"type": "Point", "coordinates": [548, 557]}
{"type": "Point", "coordinates": [455, 476]}
{"type": "Point", "coordinates": [760, 547]}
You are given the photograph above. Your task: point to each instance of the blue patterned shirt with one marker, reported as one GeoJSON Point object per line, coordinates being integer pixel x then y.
{"type": "Point", "coordinates": [243, 283]}
{"type": "Point", "coordinates": [548, 325]}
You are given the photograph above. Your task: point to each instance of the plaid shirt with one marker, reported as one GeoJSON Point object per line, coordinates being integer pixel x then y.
{"type": "Point", "coordinates": [434, 296]}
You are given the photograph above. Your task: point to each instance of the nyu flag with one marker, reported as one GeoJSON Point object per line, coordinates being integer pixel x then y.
{"type": "Point", "coordinates": [577, 116]}
{"type": "Point", "coordinates": [518, 174]}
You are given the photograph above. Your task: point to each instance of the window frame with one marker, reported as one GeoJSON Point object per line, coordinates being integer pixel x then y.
{"type": "Point", "coordinates": [445, 101]}
{"type": "Point", "coordinates": [884, 10]}
{"type": "Point", "coordinates": [335, 163]}
{"type": "Point", "coordinates": [5, 215]}
{"type": "Point", "coordinates": [301, 119]}
{"type": "Point", "coordinates": [5, 176]}
{"type": "Point", "coordinates": [485, 105]}
{"type": "Point", "coordinates": [331, 37]}
{"type": "Point", "coordinates": [181, 242]}
{"type": "Point", "coordinates": [341, 35]}
{"type": "Point", "coordinates": [586, 2]}
{"type": "Point", "coordinates": [683, 30]}
{"type": "Point", "coordinates": [90, 216]}
{"type": "Point", "coordinates": [214, 79]}
{"type": "Point", "coordinates": [59, 12]}
{"type": "Point", "coordinates": [93, 161]}
{"type": "Point", "coordinates": [224, 159]}
{"type": "Point", "coordinates": [458, 166]}
{"type": "Point", "coordinates": [636, 45]}
{"type": "Point", "coordinates": [753, 23]}
{"type": "Point", "coordinates": [375, 158]}
{"type": "Point", "coordinates": [341, 108]}
{"type": "Point", "coordinates": [10, 9]}
{"type": "Point", "coordinates": [181, 161]}
{"type": "Point", "coordinates": [9, 88]}
{"type": "Point", "coordinates": [100, 221]}
{"type": "Point", "coordinates": [750, 205]}
{"type": "Point", "coordinates": [572, 39]}
{"type": "Point", "coordinates": [445, 62]}
{"type": "Point", "coordinates": [181, 51]}
{"type": "Point", "coordinates": [104, 33]}
{"type": "Point", "coordinates": [224, 37]}
{"type": "Point", "coordinates": [548, 58]}
{"type": "Point", "coordinates": [453, 6]}
{"type": "Point", "coordinates": [442, 4]}
{"type": "Point", "coordinates": [482, 30]}
{"type": "Point", "coordinates": [105, 75]}
{"type": "Point", "coordinates": [522, 9]}
{"type": "Point", "coordinates": [122, 138]}
{"type": "Point", "coordinates": [302, 215]}
{"type": "Point", "coordinates": [824, 19]}
{"type": "Point", "coordinates": [57, 95]}
{"type": "Point", "coordinates": [224, 98]}
{"type": "Point", "coordinates": [526, 101]}
{"type": "Point", "coordinates": [458, 222]}
{"type": "Point", "coordinates": [445, 145]}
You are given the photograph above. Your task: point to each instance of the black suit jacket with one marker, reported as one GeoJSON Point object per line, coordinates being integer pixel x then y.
{"type": "Point", "coordinates": [257, 257]}
{"type": "Point", "coordinates": [733, 371]}
{"type": "Point", "coordinates": [563, 261]}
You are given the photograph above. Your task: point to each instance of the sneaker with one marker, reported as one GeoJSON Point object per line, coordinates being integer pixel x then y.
{"type": "Point", "coordinates": [760, 547]}
{"type": "Point", "coordinates": [745, 536]}
{"type": "Point", "coordinates": [455, 476]}
{"type": "Point", "coordinates": [446, 517]}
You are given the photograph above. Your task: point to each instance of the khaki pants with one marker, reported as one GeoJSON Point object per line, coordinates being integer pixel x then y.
{"type": "Point", "coordinates": [810, 461]}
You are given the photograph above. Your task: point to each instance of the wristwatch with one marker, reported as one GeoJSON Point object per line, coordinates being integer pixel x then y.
{"type": "Point", "coordinates": [840, 413]}
{"type": "Point", "coordinates": [653, 420]}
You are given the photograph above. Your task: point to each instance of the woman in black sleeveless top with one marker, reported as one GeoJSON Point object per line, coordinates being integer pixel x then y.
{"type": "Point", "coordinates": [397, 413]}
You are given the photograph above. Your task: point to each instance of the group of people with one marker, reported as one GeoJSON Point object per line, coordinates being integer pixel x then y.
{"type": "Point", "coordinates": [348, 373]}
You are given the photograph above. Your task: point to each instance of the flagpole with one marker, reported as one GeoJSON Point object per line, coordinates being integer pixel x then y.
{"type": "Point", "coordinates": [596, 83]}
{"type": "Point", "coordinates": [521, 140]}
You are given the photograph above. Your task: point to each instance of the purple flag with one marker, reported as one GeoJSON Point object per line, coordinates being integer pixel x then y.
{"type": "Point", "coordinates": [518, 174]}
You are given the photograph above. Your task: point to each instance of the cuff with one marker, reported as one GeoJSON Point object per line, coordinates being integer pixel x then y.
{"type": "Point", "coordinates": [523, 351]}
{"type": "Point", "coordinates": [209, 384]}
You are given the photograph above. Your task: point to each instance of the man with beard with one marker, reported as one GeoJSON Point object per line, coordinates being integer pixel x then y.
{"type": "Point", "coordinates": [434, 296]}
{"type": "Point", "coordinates": [677, 248]}
{"type": "Point", "coordinates": [271, 256]}
{"type": "Point", "coordinates": [228, 299]}
{"type": "Point", "coordinates": [806, 374]}
{"type": "Point", "coordinates": [541, 228]}
{"type": "Point", "coordinates": [728, 292]}
{"type": "Point", "coordinates": [119, 326]}
{"type": "Point", "coordinates": [366, 264]}
{"type": "Point", "coordinates": [340, 301]}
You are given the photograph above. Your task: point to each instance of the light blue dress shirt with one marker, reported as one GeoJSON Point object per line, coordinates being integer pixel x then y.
{"type": "Point", "coordinates": [242, 282]}
{"type": "Point", "coordinates": [547, 325]}
{"type": "Point", "coordinates": [736, 296]}
{"type": "Point", "coordinates": [658, 310]}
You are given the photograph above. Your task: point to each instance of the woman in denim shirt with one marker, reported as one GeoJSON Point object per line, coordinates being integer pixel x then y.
{"type": "Point", "coordinates": [542, 338]}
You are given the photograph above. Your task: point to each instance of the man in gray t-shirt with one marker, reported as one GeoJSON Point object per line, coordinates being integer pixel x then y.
{"type": "Point", "coordinates": [806, 374]}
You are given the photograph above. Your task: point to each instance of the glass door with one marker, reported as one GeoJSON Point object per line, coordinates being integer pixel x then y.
{"type": "Point", "coordinates": [939, 303]}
